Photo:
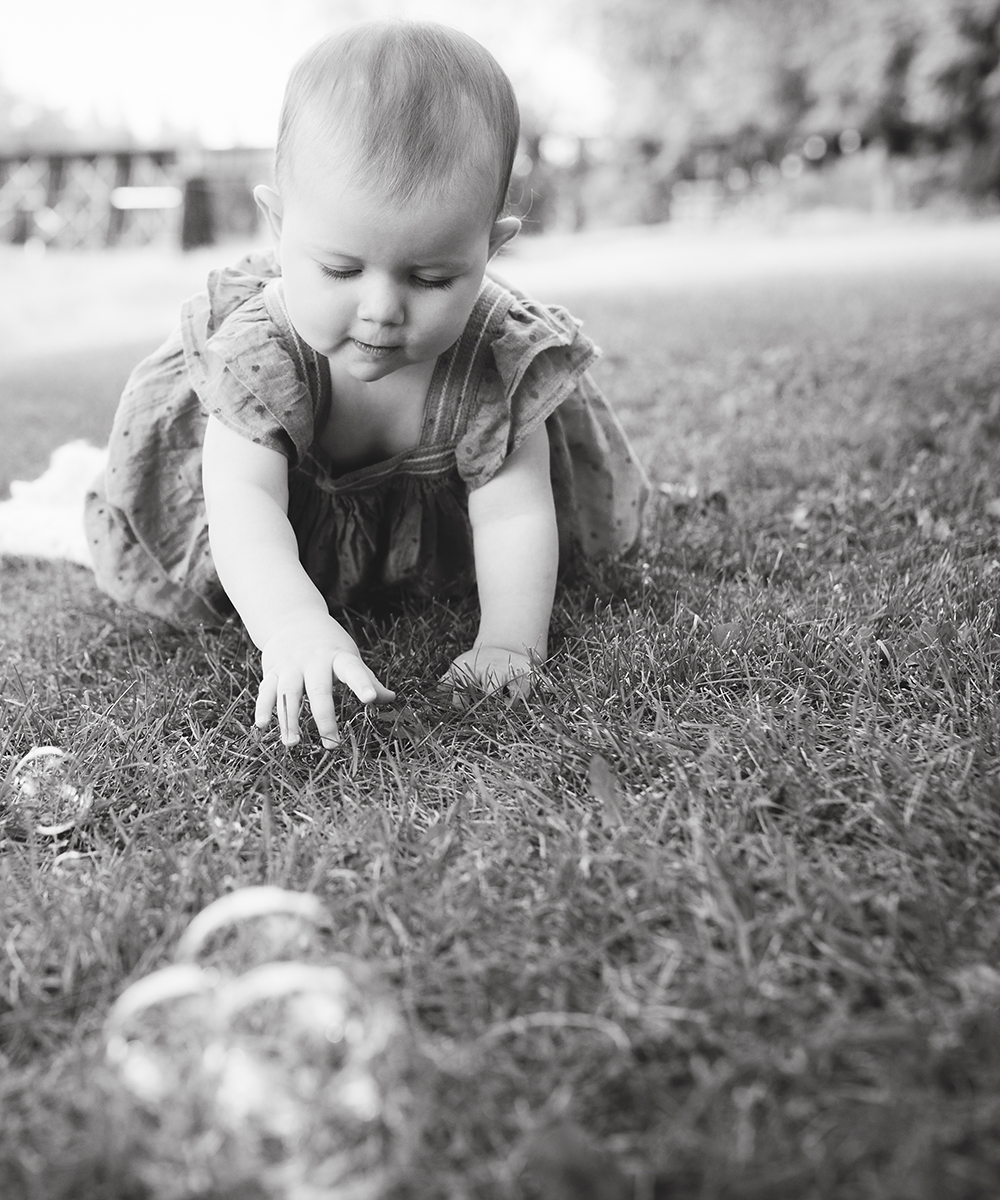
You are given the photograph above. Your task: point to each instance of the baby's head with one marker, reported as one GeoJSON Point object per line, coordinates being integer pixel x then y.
{"type": "Point", "coordinates": [417, 107]}
{"type": "Point", "coordinates": [394, 157]}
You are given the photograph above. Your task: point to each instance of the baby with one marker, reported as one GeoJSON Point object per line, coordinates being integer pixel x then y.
{"type": "Point", "coordinates": [363, 410]}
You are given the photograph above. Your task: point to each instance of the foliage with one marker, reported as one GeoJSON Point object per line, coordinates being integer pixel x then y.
{"type": "Point", "coordinates": [918, 74]}
{"type": "Point", "coordinates": [717, 917]}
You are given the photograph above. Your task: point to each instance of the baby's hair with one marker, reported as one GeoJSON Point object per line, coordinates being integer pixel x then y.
{"type": "Point", "coordinates": [416, 101]}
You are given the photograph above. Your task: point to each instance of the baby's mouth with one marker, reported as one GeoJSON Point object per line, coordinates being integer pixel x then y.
{"type": "Point", "coordinates": [372, 350]}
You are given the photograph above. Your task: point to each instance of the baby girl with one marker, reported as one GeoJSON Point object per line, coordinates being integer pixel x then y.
{"type": "Point", "coordinates": [363, 410]}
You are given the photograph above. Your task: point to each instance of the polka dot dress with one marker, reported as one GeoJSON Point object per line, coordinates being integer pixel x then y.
{"type": "Point", "coordinates": [400, 524]}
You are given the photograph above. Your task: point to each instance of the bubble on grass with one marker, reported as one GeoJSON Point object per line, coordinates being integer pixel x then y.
{"type": "Point", "coordinates": [288, 1076]}
{"type": "Point", "coordinates": [254, 925]}
{"type": "Point", "coordinates": [74, 863]}
{"type": "Point", "coordinates": [240, 1086]}
{"type": "Point", "coordinates": [39, 797]}
{"type": "Point", "coordinates": [141, 1073]}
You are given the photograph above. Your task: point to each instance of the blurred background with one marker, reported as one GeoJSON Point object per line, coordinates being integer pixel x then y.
{"type": "Point", "coordinates": [668, 144]}
{"type": "Point", "coordinates": [137, 122]}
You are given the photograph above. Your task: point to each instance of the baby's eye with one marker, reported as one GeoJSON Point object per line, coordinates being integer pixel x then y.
{"type": "Point", "coordinates": [432, 283]}
{"type": "Point", "coordinates": [338, 272]}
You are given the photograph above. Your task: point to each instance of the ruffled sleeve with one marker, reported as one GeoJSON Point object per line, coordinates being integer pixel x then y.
{"type": "Point", "coordinates": [535, 372]}
{"type": "Point", "coordinates": [539, 356]}
{"type": "Point", "coordinates": [247, 366]}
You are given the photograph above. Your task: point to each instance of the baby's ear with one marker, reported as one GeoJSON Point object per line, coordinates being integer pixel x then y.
{"type": "Point", "coordinates": [269, 203]}
{"type": "Point", "coordinates": [504, 228]}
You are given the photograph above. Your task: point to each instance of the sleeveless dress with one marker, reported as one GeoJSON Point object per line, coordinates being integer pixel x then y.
{"type": "Point", "coordinates": [397, 525]}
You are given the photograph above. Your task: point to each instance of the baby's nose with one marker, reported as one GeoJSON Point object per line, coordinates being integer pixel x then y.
{"type": "Point", "coordinates": [381, 302]}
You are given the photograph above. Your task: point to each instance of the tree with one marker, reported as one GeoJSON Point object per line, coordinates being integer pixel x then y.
{"type": "Point", "coordinates": [916, 74]}
{"type": "Point", "coordinates": [967, 88]}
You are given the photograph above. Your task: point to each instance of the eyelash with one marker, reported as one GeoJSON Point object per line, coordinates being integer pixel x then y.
{"type": "Point", "coordinates": [426, 284]}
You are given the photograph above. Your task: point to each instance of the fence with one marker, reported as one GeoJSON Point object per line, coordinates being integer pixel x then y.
{"type": "Point", "coordinates": [129, 197]}
{"type": "Point", "coordinates": [195, 197]}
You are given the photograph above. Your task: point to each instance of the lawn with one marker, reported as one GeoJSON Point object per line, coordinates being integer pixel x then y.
{"type": "Point", "coordinates": [718, 915]}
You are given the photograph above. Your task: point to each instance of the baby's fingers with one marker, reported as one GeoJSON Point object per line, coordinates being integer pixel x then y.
{"type": "Point", "coordinates": [285, 695]}
{"type": "Point", "coordinates": [352, 672]}
{"type": "Point", "coordinates": [288, 716]}
{"type": "Point", "coordinates": [319, 688]}
{"type": "Point", "coordinates": [267, 694]}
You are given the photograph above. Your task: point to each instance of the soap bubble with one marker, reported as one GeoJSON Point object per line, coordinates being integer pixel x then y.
{"type": "Point", "coordinates": [248, 1068]}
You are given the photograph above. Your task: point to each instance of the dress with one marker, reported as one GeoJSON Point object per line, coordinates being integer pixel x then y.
{"type": "Point", "coordinates": [396, 525]}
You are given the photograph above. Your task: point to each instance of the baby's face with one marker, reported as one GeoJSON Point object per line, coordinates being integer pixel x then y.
{"type": "Point", "coordinates": [376, 286]}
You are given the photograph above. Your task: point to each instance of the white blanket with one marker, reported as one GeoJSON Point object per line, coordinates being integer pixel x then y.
{"type": "Point", "coordinates": [44, 517]}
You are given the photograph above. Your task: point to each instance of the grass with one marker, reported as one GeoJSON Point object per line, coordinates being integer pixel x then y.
{"type": "Point", "coordinates": [66, 395]}
{"type": "Point", "coordinates": [72, 326]}
{"type": "Point", "coordinates": [718, 916]}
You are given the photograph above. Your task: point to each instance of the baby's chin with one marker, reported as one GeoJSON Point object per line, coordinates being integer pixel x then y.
{"type": "Point", "coordinates": [355, 359]}
{"type": "Point", "coordinates": [367, 366]}
{"type": "Point", "coordinates": [370, 372]}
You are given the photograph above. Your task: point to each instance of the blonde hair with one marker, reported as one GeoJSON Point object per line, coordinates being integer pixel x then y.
{"type": "Point", "coordinates": [419, 103]}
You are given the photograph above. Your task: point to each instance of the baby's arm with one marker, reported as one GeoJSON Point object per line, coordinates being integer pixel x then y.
{"type": "Point", "coordinates": [516, 553]}
{"type": "Point", "coordinates": [256, 555]}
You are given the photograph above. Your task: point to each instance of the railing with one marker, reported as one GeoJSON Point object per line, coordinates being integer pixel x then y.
{"type": "Point", "coordinates": [128, 197]}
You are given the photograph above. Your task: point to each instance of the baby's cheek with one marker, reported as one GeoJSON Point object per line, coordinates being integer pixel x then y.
{"type": "Point", "coordinates": [455, 316]}
{"type": "Point", "coordinates": [320, 324]}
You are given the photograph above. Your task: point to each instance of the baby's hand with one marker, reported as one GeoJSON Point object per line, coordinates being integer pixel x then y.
{"type": "Point", "coordinates": [305, 656]}
{"type": "Point", "coordinates": [491, 668]}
